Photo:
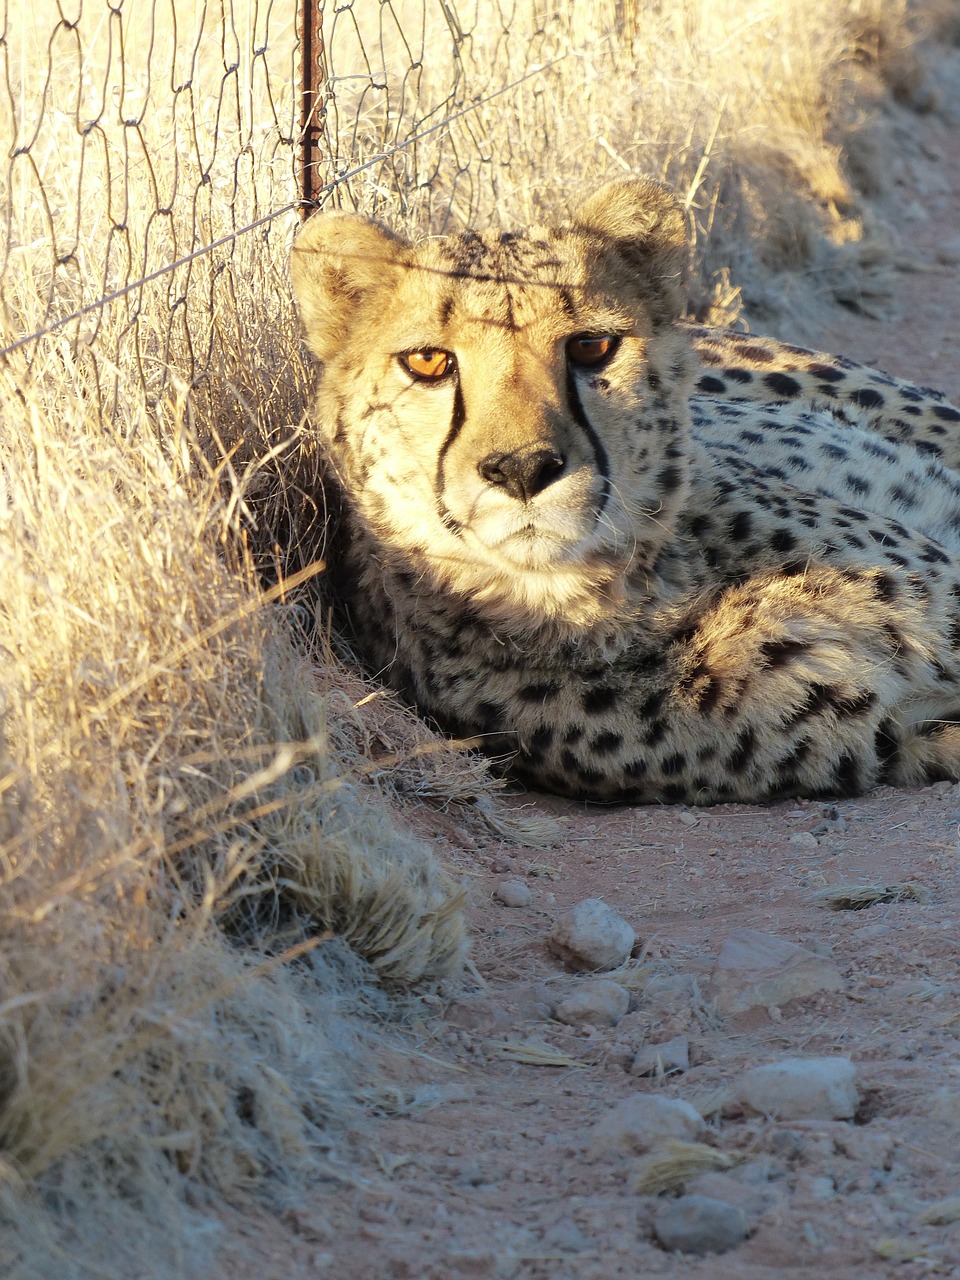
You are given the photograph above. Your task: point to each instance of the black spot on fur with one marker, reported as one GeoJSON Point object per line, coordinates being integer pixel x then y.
{"type": "Point", "coordinates": [818, 698]}
{"type": "Point", "coordinates": [541, 739]}
{"type": "Point", "coordinates": [699, 525]}
{"type": "Point", "coordinates": [946, 412]}
{"type": "Point", "coordinates": [635, 768]}
{"type": "Point", "coordinates": [792, 762]}
{"type": "Point", "coordinates": [710, 384]}
{"type": "Point", "coordinates": [826, 372]}
{"type": "Point", "coordinates": [606, 743]}
{"type": "Point", "coordinates": [741, 526]}
{"type": "Point", "coordinates": [489, 715]}
{"type": "Point", "coordinates": [599, 699]}
{"type": "Point", "coordinates": [846, 775]}
{"type": "Point", "coordinates": [708, 695]}
{"type": "Point", "coordinates": [783, 540]}
{"type": "Point", "coordinates": [778, 653]}
{"type": "Point", "coordinates": [652, 705]}
{"type": "Point", "coordinates": [674, 793]}
{"type": "Point", "coordinates": [782, 384]}
{"type": "Point", "coordinates": [933, 555]}
{"type": "Point", "coordinates": [538, 692]}
{"type": "Point", "coordinates": [867, 398]}
{"type": "Point", "coordinates": [669, 479]}
{"type": "Point", "coordinates": [885, 587]}
{"type": "Point", "coordinates": [674, 764]}
{"type": "Point", "coordinates": [836, 451]}
{"type": "Point", "coordinates": [738, 375]}
{"type": "Point", "coordinates": [857, 705]}
{"type": "Point", "coordinates": [759, 355]}
{"type": "Point", "coordinates": [742, 751]}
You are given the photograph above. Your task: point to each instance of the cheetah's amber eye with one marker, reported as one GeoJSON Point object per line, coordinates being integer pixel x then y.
{"type": "Point", "coordinates": [429, 364]}
{"type": "Point", "coordinates": [588, 352]}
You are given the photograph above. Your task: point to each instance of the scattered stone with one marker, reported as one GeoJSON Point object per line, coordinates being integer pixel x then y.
{"type": "Point", "coordinates": [642, 1122]}
{"type": "Point", "coordinates": [670, 1057]}
{"type": "Point", "coordinates": [801, 1089]}
{"type": "Point", "coordinates": [943, 1213]}
{"type": "Point", "coordinates": [513, 893]}
{"type": "Point", "coordinates": [757, 970]}
{"type": "Point", "coordinates": [600, 1003]}
{"type": "Point", "coordinates": [806, 839]}
{"type": "Point", "coordinates": [699, 1224]}
{"type": "Point", "coordinates": [749, 1187]}
{"type": "Point", "coordinates": [867, 1145]}
{"type": "Point", "coordinates": [567, 1238]}
{"type": "Point", "coordinates": [593, 936]}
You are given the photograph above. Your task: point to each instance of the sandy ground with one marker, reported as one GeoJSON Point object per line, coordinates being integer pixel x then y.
{"type": "Point", "coordinates": [479, 1164]}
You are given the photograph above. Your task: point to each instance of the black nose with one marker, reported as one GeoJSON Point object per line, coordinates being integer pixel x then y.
{"type": "Point", "coordinates": [523, 474]}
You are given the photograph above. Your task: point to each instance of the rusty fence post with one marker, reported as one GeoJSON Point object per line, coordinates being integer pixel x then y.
{"type": "Point", "coordinates": [311, 103]}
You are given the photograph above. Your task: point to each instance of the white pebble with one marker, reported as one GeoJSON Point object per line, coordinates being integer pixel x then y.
{"type": "Point", "coordinates": [699, 1224]}
{"type": "Point", "coordinates": [758, 970]}
{"type": "Point", "coordinates": [801, 1089]}
{"type": "Point", "coordinates": [593, 936]}
{"type": "Point", "coordinates": [513, 893]}
{"type": "Point", "coordinates": [600, 1003]}
{"type": "Point", "coordinates": [642, 1122]}
{"type": "Point", "coordinates": [662, 1059]}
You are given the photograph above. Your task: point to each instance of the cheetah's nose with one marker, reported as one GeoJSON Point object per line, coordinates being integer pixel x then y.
{"type": "Point", "coordinates": [523, 474]}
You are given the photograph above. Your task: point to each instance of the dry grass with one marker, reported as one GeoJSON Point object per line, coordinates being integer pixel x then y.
{"type": "Point", "coordinates": [176, 832]}
{"type": "Point", "coordinates": [205, 871]}
{"type": "Point", "coordinates": [765, 116]}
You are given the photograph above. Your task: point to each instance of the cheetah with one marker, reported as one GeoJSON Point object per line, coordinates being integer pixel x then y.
{"type": "Point", "coordinates": [635, 560]}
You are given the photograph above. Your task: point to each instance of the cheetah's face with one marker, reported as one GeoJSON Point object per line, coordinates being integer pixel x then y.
{"type": "Point", "coordinates": [502, 407]}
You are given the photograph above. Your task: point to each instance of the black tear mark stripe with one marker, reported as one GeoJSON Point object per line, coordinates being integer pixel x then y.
{"type": "Point", "coordinates": [457, 419]}
{"type": "Point", "coordinates": [599, 453]}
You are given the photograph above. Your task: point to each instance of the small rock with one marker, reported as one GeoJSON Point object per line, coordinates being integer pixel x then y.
{"type": "Point", "coordinates": [867, 1145]}
{"type": "Point", "coordinates": [806, 839]}
{"type": "Point", "coordinates": [757, 970]}
{"type": "Point", "coordinates": [801, 1089]}
{"type": "Point", "coordinates": [593, 936]}
{"type": "Point", "coordinates": [642, 1122]}
{"type": "Point", "coordinates": [812, 1186]}
{"type": "Point", "coordinates": [699, 1224]}
{"type": "Point", "coordinates": [754, 1198]}
{"type": "Point", "coordinates": [567, 1238]}
{"type": "Point", "coordinates": [601, 1003]}
{"type": "Point", "coordinates": [667, 1058]}
{"type": "Point", "coordinates": [513, 893]}
{"type": "Point", "coordinates": [948, 252]}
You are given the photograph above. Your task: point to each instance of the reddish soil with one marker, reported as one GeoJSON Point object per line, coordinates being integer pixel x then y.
{"type": "Point", "coordinates": [478, 1166]}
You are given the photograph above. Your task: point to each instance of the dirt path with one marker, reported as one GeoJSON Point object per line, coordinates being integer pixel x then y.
{"type": "Point", "coordinates": [483, 1165]}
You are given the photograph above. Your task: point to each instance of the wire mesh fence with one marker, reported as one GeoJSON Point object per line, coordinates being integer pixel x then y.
{"type": "Point", "coordinates": [158, 153]}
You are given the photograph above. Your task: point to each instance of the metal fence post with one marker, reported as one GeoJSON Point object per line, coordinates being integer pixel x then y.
{"type": "Point", "coordinates": [311, 102]}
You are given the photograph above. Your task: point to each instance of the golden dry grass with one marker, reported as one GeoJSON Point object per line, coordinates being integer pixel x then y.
{"type": "Point", "coordinates": [205, 871]}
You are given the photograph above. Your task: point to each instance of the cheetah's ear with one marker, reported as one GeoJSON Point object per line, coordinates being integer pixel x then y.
{"type": "Point", "coordinates": [643, 222]}
{"type": "Point", "coordinates": [338, 260]}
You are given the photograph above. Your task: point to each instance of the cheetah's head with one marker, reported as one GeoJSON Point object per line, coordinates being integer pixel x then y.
{"type": "Point", "coordinates": [507, 411]}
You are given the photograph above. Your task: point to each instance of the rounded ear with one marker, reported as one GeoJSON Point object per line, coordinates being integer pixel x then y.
{"type": "Point", "coordinates": [643, 222]}
{"type": "Point", "coordinates": [338, 260]}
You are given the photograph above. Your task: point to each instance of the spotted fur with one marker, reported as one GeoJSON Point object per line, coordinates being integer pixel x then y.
{"type": "Point", "coordinates": [705, 567]}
